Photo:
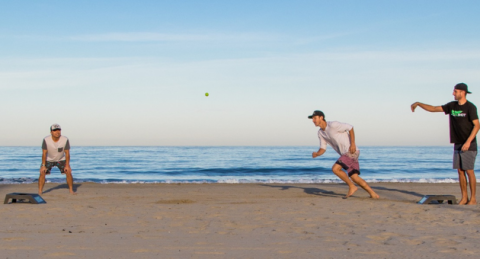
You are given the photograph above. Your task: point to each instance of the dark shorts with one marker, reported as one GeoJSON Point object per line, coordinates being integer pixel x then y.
{"type": "Point", "coordinates": [464, 160]}
{"type": "Point", "coordinates": [59, 164]}
{"type": "Point", "coordinates": [349, 162]}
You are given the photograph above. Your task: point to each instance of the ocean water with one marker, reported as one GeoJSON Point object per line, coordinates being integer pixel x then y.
{"type": "Point", "coordinates": [229, 165]}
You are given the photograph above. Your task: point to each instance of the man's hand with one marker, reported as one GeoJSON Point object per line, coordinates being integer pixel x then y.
{"type": "Point", "coordinates": [353, 148]}
{"type": "Point", "coordinates": [318, 153]}
{"type": "Point", "coordinates": [466, 146]}
{"type": "Point", "coordinates": [413, 106]}
{"type": "Point", "coordinates": [43, 169]}
{"type": "Point", "coordinates": [67, 169]}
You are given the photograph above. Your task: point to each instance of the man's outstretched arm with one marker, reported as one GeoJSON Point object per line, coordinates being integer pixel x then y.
{"type": "Point", "coordinates": [427, 107]}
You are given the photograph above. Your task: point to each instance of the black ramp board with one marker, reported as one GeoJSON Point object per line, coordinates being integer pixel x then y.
{"type": "Point", "coordinates": [30, 197]}
{"type": "Point", "coordinates": [438, 199]}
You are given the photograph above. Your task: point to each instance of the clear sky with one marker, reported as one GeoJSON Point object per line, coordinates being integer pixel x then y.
{"type": "Point", "coordinates": [136, 72]}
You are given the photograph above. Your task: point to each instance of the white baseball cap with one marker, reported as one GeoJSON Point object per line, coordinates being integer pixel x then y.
{"type": "Point", "coordinates": [54, 127]}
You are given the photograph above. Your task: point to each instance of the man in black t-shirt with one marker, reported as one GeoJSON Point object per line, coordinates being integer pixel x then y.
{"type": "Point", "coordinates": [463, 129]}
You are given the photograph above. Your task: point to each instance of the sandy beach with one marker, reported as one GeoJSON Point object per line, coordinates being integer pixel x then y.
{"type": "Point", "coordinates": [237, 221]}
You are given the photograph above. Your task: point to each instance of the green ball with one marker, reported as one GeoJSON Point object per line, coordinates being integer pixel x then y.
{"type": "Point", "coordinates": [206, 94]}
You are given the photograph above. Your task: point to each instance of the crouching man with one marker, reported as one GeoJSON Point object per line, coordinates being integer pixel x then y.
{"type": "Point", "coordinates": [341, 137]}
{"type": "Point", "coordinates": [56, 152]}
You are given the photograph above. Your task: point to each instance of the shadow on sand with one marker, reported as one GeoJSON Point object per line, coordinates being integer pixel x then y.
{"type": "Point", "coordinates": [322, 192]}
{"type": "Point", "coordinates": [309, 190]}
{"type": "Point", "coordinates": [397, 190]}
{"type": "Point", "coordinates": [63, 186]}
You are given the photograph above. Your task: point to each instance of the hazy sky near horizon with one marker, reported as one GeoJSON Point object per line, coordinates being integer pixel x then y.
{"type": "Point", "coordinates": [136, 72]}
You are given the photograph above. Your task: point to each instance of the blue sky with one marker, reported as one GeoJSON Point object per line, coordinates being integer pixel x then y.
{"type": "Point", "coordinates": [135, 72]}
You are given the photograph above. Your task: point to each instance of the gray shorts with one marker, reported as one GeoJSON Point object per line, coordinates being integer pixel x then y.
{"type": "Point", "coordinates": [464, 160]}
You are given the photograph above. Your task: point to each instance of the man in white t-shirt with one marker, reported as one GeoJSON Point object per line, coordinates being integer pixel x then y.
{"type": "Point", "coordinates": [56, 152]}
{"type": "Point", "coordinates": [341, 137]}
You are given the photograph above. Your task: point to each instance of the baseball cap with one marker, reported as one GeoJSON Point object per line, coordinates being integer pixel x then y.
{"type": "Point", "coordinates": [55, 126]}
{"type": "Point", "coordinates": [462, 86]}
{"type": "Point", "coordinates": [317, 113]}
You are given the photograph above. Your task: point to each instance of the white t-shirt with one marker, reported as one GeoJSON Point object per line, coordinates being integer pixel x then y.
{"type": "Point", "coordinates": [336, 135]}
{"type": "Point", "coordinates": [55, 150]}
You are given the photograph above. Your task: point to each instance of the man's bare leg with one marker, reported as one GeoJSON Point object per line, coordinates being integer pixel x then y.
{"type": "Point", "coordinates": [41, 183]}
{"type": "Point", "coordinates": [462, 180]}
{"type": "Point", "coordinates": [358, 180]}
{"type": "Point", "coordinates": [473, 187]}
{"type": "Point", "coordinates": [337, 170]}
{"type": "Point", "coordinates": [70, 183]}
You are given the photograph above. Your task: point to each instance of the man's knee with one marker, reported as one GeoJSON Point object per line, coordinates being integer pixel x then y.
{"type": "Point", "coordinates": [336, 168]}
{"type": "Point", "coordinates": [354, 176]}
{"type": "Point", "coordinates": [470, 172]}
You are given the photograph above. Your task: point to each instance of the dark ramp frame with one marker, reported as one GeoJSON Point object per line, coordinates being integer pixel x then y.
{"type": "Point", "coordinates": [427, 199]}
{"type": "Point", "coordinates": [31, 197]}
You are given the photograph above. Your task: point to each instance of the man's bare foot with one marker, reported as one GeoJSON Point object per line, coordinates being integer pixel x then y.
{"type": "Point", "coordinates": [73, 193]}
{"type": "Point", "coordinates": [462, 202]}
{"type": "Point", "coordinates": [472, 202]}
{"type": "Point", "coordinates": [374, 196]}
{"type": "Point", "coordinates": [351, 191]}
{"type": "Point", "coordinates": [40, 193]}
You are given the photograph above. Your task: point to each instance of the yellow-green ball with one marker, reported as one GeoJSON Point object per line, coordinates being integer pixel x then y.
{"type": "Point", "coordinates": [206, 94]}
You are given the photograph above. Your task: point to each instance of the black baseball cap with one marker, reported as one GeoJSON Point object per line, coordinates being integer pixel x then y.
{"type": "Point", "coordinates": [317, 113]}
{"type": "Point", "coordinates": [463, 87]}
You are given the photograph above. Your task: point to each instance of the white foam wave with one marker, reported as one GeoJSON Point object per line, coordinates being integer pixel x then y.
{"type": "Point", "coordinates": [231, 181]}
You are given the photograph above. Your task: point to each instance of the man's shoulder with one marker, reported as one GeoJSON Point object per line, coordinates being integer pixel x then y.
{"type": "Point", "coordinates": [333, 123]}
{"type": "Point", "coordinates": [64, 140]}
{"type": "Point", "coordinates": [471, 104]}
{"type": "Point", "coordinates": [449, 106]}
{"type": "Point", "coordinates": [336, 124]}
{"type": "Point", "coordinates": [451, 103]}
{"type": "Point", "coordinates": [48, 139]}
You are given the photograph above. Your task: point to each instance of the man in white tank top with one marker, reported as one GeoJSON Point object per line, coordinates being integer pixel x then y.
{"type": "Point", "coordinates": [56, 152]}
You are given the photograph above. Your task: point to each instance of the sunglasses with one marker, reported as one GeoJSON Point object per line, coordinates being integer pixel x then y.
{"type": "Point", "coordinates": [56, 129]}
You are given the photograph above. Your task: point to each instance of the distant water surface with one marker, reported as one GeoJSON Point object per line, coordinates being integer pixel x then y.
{"type": "Point", "coordinates": [229, 165]}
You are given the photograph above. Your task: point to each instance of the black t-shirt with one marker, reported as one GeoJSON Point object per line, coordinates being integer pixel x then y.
{"type": "Point", "coordinates": [461, 123]}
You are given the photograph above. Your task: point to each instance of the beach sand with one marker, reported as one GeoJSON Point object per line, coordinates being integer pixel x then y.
{"type": "Point", "coordinates": [237, 221]}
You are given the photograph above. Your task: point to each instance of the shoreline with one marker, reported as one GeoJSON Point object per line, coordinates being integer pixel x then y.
{"type": "Point", "coordinates": [61, 180]}
{"type": "Point", "coordinates": [237, 221]}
